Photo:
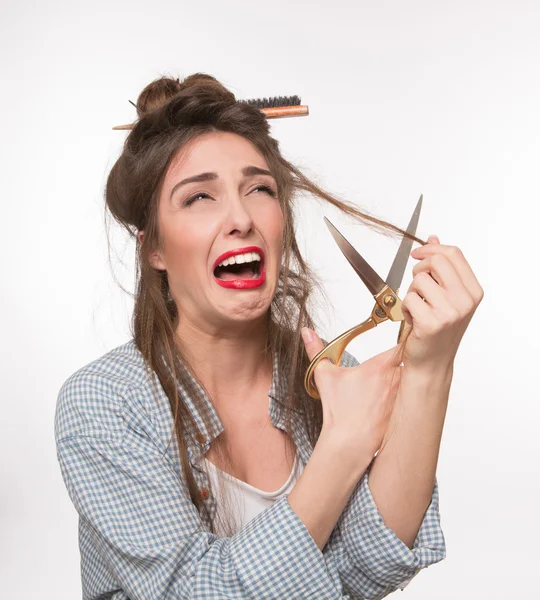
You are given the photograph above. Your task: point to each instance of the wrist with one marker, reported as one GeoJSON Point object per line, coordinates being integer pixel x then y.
{"type": "Point", "coordinates": [352, 453]}
{"type": "Point", "coordinates": [439, 372]}
{"type": "Point", "coordinates": [425, 387]}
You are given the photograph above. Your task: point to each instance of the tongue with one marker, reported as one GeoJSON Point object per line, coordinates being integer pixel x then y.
{"type": "Point", "coordinates": [243, 273]}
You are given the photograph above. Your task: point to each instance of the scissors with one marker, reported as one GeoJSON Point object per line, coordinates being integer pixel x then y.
{"type": "Point", "coordinates": [387, 305]}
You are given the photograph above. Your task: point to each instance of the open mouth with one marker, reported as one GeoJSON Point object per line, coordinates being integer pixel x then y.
{"type": "Point", "coordinates": [247, 270]}
{"type": "Point", "coordinates": [242, 268]}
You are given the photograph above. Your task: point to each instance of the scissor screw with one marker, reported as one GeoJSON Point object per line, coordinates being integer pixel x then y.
{"type": "Point", "coordinates": [389, 300]}
{"type": "Point", "coordinates": [380, 312]}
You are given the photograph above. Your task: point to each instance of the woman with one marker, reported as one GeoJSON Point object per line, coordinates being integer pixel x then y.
{"type": "Point", "coordinates": [198, 465]}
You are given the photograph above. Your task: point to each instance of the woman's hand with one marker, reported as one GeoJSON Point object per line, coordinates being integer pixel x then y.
{"type": "Point", "coordinates": [357, 402]}
{"type": "Point", "coordinates": [439, 305]}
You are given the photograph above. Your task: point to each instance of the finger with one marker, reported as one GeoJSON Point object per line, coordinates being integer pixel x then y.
{"type": "Point", "coordinates": [428, 289]}
{"type": "Point", "coordinates": [417, 308]}
{"type": "Point", "coordinates": [314, 345]}
{"type": "Point", "coordinates": [456, 257]}
{"type": "Point", "coordinates": [442, 271]}
{"type": "Point", "coordinates": [432, 239]}
{"type": "Point", "coordinates": [312, 342]}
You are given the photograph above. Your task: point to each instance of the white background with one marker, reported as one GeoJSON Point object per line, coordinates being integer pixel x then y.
{"type": "Point", "coordinates": [439, 98]}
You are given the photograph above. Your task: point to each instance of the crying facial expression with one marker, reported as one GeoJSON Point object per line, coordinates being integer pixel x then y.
{"type": "Point", "coordinates": [222, 230]}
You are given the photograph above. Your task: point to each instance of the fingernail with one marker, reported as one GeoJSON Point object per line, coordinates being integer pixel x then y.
{"type": "Point", "coordinates": [307, 335]}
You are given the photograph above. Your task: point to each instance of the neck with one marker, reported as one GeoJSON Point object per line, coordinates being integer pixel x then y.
{"type": "Point", "coordinates": [232, 364]}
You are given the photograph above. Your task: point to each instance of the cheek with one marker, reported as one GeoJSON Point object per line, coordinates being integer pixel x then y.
{"type": "Point", "coordinates": [185, 246]}
{"type": "Point", "coordinates": [273, 222]}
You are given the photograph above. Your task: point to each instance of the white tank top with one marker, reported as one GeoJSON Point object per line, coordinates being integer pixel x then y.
{"type": "Point", "coordinates": [249, 501]}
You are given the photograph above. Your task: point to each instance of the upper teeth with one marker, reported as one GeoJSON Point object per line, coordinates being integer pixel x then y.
{"type": "Point", "coordinates": [240, 258]}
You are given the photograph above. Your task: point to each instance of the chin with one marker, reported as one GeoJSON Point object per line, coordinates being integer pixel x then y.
{"type": "Point", "coordinates": [248, 309]}
{"type": "Point", "coordinates": [246, 305]}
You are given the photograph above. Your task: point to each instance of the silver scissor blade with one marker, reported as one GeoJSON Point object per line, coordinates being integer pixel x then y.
{"type": "Point", "coordinates": [371, 279]}
{"type": "Point", "coordinates": [395, 275]}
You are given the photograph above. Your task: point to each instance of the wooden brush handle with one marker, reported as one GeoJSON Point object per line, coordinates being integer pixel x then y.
{"type": "Point", "coordinates": [269, 113]}
{"type": "Point", "coordinates": [285, 111]}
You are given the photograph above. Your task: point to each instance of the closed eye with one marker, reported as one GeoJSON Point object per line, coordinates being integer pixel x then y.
{"type": "Point", "coordinates": [266, 188]}
{"type": "Point", "coordinates": [192, 199]}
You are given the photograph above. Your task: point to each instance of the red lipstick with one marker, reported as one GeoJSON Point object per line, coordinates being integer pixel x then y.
{"type": "Point", "coordinates": [241, 284]}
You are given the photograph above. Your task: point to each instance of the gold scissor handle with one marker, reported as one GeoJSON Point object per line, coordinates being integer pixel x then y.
{"type": "Point", "coordinates": [334, 351]}
{"type": "Point", "coordinates": [388, 306]}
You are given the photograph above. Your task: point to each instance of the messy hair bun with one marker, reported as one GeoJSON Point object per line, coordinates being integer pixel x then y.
{"type": "Point", "coordinates": [161, 91]}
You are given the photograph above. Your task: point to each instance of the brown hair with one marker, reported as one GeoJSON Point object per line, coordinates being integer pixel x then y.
{"type": "Point", "coordinates": [171, 113]}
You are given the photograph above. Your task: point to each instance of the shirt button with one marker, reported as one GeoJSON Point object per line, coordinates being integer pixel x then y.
{"type": "Point", "coordinates": [201, 438]}
{"type": "Point", "coordinates": [204, 493]}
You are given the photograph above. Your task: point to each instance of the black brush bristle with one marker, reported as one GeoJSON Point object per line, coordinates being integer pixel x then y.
{"type": "Point", "coordinates": [273, 102]}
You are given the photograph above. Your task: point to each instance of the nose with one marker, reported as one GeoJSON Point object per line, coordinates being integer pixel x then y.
{"type": "Point", "coordinates": [238, 220]}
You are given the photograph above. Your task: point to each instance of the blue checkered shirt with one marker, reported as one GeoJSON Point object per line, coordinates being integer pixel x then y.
{"type": "Point", "coordinates": [141, 537]}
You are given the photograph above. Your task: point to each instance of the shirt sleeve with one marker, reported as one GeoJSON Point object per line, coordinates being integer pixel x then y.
{"type": "Point", "coordinates": [150, 536]}
{"type": "Point", "coordinates": [371, 559]}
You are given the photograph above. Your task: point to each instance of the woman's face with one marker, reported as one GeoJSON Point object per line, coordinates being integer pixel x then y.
{"type": "Point", "coordinates": [219, 205]}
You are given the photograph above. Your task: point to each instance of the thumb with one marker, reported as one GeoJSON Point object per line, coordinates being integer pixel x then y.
{"type": "Point", "coordinates": [312, 342]}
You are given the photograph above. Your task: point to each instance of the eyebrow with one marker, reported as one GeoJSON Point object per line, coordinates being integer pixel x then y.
{"type": "Point", "coordinates": [246, 171]}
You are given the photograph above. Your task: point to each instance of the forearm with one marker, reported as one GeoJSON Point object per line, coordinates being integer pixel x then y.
{"type": "Point", "coordinates": [402, 475]}
{"type": "Point", "coordinates": [326, 484]}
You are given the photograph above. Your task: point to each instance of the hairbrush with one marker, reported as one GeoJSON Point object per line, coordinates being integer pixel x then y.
{"type": "Point", "coordinates": [273, 108]}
